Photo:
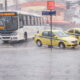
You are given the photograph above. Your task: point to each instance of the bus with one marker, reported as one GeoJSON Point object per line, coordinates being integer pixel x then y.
{"type": "Point", "coordinates": [19, 25]}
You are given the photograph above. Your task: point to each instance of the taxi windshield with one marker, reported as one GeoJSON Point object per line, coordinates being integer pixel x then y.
{"type": "Point", "coordinates": [61, 34]}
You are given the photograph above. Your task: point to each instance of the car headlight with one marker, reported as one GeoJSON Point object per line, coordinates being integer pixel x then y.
{"type": "Point", "coordinates": [69, 41]}
{"type": "Point", "coordinates": [72, 41]}
{"type": "Point", "coordinates": [14, 33]}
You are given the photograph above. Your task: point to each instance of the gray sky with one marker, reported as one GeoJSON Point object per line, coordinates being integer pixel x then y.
{"type": "Point", "coordinates": [11, 2]}
{"type": "Point", "coordinates": [71, 0]}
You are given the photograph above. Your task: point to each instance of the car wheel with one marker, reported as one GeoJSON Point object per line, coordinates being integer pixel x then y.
{"type": "Point", "coordinates": [39, 43]}
{"type": "Point", "coordinates": [61, 45]}
{"type": "Point", "coordinates": [73, 47]}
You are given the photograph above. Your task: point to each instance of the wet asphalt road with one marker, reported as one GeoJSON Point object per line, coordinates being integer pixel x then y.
{"type": "Point", "coordinates": [26, 61]}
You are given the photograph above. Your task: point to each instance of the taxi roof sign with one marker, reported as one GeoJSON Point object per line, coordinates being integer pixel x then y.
{"type": "Point", "coordinates": [50, 5]}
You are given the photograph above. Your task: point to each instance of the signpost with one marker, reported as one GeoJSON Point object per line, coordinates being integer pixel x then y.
{"type": "Point", "coordinates": [51, 8]}
{"type": "Point", "coordinates": [49, 13]}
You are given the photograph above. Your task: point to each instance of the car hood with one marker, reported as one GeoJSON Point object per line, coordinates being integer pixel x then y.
{"type": "Point", "coordinates": [69, 38]}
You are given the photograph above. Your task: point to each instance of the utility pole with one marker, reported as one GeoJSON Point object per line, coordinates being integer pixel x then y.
{"type": "Point", "coordinates": [17, 6]}
{"type": "Point", "coordinates": [5, 5]}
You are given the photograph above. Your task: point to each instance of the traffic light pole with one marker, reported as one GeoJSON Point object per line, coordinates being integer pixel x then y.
{"type": "Point", "coordinates": [51, 31]}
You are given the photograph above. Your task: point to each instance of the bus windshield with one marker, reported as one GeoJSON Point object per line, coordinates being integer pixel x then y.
{"type": "Point", "coordinates": [8, 23]}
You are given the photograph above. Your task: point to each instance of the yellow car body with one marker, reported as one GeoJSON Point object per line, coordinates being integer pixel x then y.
{"type": "Point", "coordinates": [55, 38]}
{"type": "Point", "coordinates": [74, 32]}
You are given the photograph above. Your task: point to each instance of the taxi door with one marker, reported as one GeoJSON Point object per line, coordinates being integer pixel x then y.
{"type": "Point", "coordinates": [53, 38]}
{"type": "Point", "coordinates": [45, 38]}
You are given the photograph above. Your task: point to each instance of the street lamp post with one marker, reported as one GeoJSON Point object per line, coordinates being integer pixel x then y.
{"type": "Point", "coordinates": [5, 5]}
{"type": "Point", "coordinates": [17, 6]}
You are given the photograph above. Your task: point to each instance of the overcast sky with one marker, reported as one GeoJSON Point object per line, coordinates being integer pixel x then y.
{"type": "Point", "coordinates": [10, 2]}
{"type": "Point", "coordinates": [72, 0]}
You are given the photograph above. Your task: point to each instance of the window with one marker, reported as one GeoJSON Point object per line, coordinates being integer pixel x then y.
{"type": "Point", "coordinates": [9, 22]}
{"type": "Point", "coordinates": [43, 21]}
{"type": "Point", "coordinates": [37, 20]}
{"type": "Point", "coordinates": [45, 33]}
{"type": "Point", "coordinates": [30, 20]}
{"type": "Point", "coordinates": [71, 31]}
{"type": "Point", "coordinates": [50, 34]}
{"type": "Point", "coordinates": [21, 19]}
{"type": "Point", "coordinates": [77, 32]}
{"type": "Point", "coordinates": [34, 22]}
{"type": "Point", "coordinates": [15, 21]}
{"type": "Point", "coordinates": [25, 20]}
{"type": "Point", "coordinates": [40, 22]}
{"type": "Point", "coordinates": [61, 34]}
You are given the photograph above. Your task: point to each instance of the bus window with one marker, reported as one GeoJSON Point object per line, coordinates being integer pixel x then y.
{"type": "Point", "coordinates": [30, 20]}
{"type": "Point", "coordinates": [38, 21]}
{"type": "Point", "coordinates": [21, 21]}
{"type": "Point", "coordinates": [25, 20]}
{"type": "Point", "coordinates": [9, 22]}
{"type": "Point", "coordinates": [14, 21]}
{"type": "Point", "coordinates": [42, 21]}
{"type": "Point", "coordinates": [34, 22]}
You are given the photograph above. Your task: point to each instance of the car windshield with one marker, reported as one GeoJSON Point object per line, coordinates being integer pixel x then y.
{"type": "Point", "coordinates": [61, 34]}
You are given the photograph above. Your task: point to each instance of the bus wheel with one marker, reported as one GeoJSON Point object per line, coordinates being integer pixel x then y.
{"type": "Point", "coordinates": [61, 45]}
{"type": "Point", "coordinates": [5, 41]}
{"type": "Point", "coordinates": [25, 36]}
{"type": "Point", "coordinates": [39, 43]}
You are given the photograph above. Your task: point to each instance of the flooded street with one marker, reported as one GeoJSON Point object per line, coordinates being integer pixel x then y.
{"type": "Point", "coordinates": [26, 61]}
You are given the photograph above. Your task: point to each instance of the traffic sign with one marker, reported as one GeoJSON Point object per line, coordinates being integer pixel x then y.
{"type": "Point", "coordinates": [48, 12]}
{"type": "Point", "coordinates": [50, 5]}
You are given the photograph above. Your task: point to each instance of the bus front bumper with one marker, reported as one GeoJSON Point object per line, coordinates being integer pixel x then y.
{"type": "Point", "coordinates": [9, 38]}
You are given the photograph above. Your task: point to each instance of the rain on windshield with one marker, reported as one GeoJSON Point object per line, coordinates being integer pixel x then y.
{"type": "Point", "coordinates": [8, 22]}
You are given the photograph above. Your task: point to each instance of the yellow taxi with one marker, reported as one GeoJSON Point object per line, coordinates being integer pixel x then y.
{"type": "Point", "coordinates": [75, 32]}
{"type": "Point", "coordinates": [59, 38]}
